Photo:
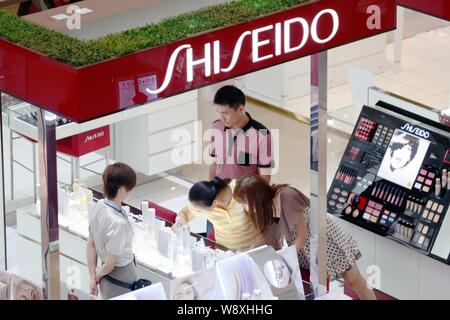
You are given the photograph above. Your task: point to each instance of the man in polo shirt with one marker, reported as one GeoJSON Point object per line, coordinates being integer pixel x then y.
{"type": "Point", "coordinates": [239, 144]}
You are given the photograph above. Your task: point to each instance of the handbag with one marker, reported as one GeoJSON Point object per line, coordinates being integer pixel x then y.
{"type": "Point", "coordinates": [139, 284]}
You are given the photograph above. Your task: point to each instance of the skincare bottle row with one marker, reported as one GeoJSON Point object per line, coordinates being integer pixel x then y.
{"type": "Point", "coordinates": [179, 247]}
{"type": "Point", "coordinates": [72, 202]}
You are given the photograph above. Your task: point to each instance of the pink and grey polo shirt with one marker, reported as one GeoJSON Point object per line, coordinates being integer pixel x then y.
{"type": "Point", "coordinates": [243, 151]}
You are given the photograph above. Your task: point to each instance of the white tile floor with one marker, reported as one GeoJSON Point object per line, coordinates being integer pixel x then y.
{"type": "Point", "coordinates": [422, 75]}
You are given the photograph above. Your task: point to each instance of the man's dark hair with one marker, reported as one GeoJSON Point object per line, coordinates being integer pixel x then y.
{"type": "Point", "coordinates": [118, 175]}
{"type": "Point", "coordinates": [230, 96]}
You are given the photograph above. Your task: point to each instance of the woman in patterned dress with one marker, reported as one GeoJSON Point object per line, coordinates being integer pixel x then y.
{"type": "Point", "coordinates": [281, 212]}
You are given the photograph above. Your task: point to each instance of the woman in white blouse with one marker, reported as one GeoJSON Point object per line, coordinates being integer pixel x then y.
{"type": "Point", "coordinates": [111, 235]}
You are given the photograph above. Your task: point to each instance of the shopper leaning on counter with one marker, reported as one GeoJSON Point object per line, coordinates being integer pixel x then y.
{"type": "Point", "coordinates": [281, 212]}
{"type": "Point", "coordinates": [111, 235]}
{"type": "Point", "coordinates": [214, 200]}
{"type": "Point", "coordinates": [239, 145]}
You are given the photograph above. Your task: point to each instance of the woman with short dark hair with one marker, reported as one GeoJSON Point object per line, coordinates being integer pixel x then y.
{"type": "Point", "coordinates": [111, 235]}
{"type": "Point", "coordinates": [281, 213]}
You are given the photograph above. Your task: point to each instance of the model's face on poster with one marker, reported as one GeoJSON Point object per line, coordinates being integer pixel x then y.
{"type": "Point", "coordinates": [26, 291]}
{"type": "Point", "coordinates": [184, 292]}
{"type": "Point", "coordinates": [277, 273]}
{"type": "Point", "coordinates": [401, 156]}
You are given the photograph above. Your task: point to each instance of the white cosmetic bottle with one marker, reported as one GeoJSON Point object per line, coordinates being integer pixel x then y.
{"type": "Point", "coordinates": [179, 233]}
{"type": "Point", "coordinates": [153, 227]}
{"type": "Point", "coordinates": [144, 210]}
{"type": "Point", "coordinates": [62, 199]}
{"type": "Point", "coordinates": [186, 232]}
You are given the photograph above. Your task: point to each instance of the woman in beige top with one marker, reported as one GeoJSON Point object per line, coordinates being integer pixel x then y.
{"type": "Point", "coordinates": [281, 212]}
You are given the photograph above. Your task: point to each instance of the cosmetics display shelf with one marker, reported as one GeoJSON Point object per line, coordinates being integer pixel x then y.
{"type": "Point", "coordinates": [394, 179]}
{"type": "Point", "coordinates": [73, 240]}
{"type": "Point", "coordinates": [137, 215]}
{"type": "Point", "coordinates": [444, 117]}
{"type": "Point", "coordinates": [23, 120]}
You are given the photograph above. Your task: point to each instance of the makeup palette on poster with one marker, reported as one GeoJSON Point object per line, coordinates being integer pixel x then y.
{"type": "Point", "coordinates": [394, 179]}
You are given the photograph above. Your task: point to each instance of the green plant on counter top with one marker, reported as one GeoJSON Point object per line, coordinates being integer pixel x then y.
{"type": "Point", "coordinates": [83, 52]}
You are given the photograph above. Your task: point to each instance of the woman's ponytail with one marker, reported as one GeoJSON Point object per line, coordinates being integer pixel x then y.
{"type": "Point", "coordinates": [205, 192]}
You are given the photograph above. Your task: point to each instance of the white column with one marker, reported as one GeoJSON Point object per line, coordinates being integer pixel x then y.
{"type": "Point", "coordinates": [2, 199]}
{"type": "Point", "coordinates": [49, 205]}
{"type": "Point", "coordinates": [318, 230]}
{"type": "Point", "coordinates": [398, 34]}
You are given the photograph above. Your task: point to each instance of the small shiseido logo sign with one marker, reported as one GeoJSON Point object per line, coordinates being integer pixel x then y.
{"type": "Point", "coordinates": [94, 136]}
{"type": "Point", "coordinates": [414, 130]}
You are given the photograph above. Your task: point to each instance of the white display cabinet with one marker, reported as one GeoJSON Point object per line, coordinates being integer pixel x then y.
{"type": "Point", "coordinates": [285, 85]}
{"type": "Point", "coordinates": [404, 273]}
{"type": "Point", "coordinates": [72, 250]}
{"type": "Point", "coordinates": [147, 143]}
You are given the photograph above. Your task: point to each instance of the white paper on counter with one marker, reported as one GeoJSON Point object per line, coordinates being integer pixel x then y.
{"type": "Point", "coordinates": [198, 225]}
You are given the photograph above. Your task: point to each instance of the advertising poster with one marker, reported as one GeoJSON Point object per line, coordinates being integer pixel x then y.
{"type": "Point", "coordinates": [403, 159]}
{"type": "Point", "coordinates": [153, 292]}
{"type": "Point", "coordinates": [290, 259]}
{"type": "Point", "coordinates": [22, 289]}
{"type": "Point", "coordinates": [273, 274]}
{"type": "Point", "coordinates": [5, 285]}
{"type": "Point", "coordinates": [200, 286]}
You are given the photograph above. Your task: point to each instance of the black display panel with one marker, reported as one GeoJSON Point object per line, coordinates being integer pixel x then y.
{"type": "Point", "coordinates": [394, 177]}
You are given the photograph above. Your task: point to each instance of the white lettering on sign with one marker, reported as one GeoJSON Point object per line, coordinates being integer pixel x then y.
{"type": "Point", "coordinates": [374, 21]}
{"type": "Point", "coordinates": [211, 58]}
{"type": "Point", "coordinates": [256, 44]}
{"type": "Point", "coordinates": [94, 136]}
{"type": "Point", "coordinates": [190, 63]}
{"type": "Point", "coordinates": [314, 34]}
{"type": "Point", "coordinates": [414, 130]}
{"type": "Point", "coordinates": [236, 52]}
{"type": "Point", "coordinates": [287, 36]}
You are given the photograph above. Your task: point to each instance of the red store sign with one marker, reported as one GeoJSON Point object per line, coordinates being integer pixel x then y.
{"type": "Point", "coordinates": [437, 8]}
{"type": "Point", "coordinates": [103, 88]}
{"type": "Point", "coordinates": [84, 143]}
